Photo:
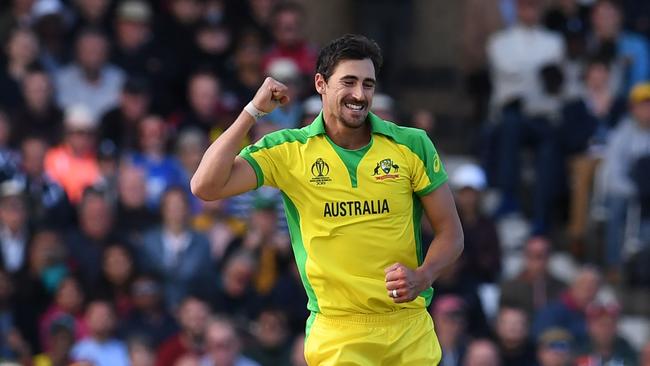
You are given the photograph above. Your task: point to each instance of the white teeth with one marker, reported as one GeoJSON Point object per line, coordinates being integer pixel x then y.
{"type": "Point", "coordinates": [356, 107]}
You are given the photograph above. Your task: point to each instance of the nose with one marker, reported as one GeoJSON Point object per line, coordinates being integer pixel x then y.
{"type": "Point", "coordinates": [357, 92]}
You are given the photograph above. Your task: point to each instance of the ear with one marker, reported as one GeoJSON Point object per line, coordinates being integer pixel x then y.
{"type": "Point", "coordinates": [319, 83]}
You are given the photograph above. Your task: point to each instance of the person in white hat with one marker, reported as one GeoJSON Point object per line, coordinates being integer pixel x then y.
{"type": "Point", "coordinates": [482, 246]}
{"type": "Point", "coordinates": [73, 164]}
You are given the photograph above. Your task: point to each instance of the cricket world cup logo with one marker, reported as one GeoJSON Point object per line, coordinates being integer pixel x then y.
{"type": "Point", "coordinates": [320, 168]}
{"type": "Point", "coordinates": [320, 171]}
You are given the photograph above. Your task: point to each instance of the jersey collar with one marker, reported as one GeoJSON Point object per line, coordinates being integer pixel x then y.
{"type": "Point", "coordinates": [377, 125]}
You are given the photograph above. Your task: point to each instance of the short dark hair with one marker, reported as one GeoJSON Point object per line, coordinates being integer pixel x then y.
{"type": "Point", "coordinates": [347, 47]}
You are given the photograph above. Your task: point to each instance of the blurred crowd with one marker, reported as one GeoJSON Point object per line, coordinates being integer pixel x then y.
{"type": "Point", "coordinates": [107, 259]}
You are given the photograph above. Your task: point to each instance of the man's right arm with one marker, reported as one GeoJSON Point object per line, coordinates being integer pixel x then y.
{"type": "Point", "coordinates": [221, 172]}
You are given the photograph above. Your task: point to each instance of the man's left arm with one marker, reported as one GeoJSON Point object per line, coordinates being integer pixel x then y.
{"type": "Point", "coordinates": [445, 248]}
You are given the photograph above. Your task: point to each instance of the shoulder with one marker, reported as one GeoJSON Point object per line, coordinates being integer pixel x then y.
{"type": "Point", "coordinates": [279, 138]}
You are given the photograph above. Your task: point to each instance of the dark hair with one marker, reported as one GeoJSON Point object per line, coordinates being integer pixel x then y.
{"type": "Point", "coordinates": [347, 47]}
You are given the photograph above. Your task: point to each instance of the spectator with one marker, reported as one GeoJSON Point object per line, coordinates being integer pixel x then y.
{"type": "Point", "coordinates": [120, 124]}
{"type": "Point", "coordinates": [272, 344]}
{"type": "Point", "coordinates": [149, 319]}
{"type": "Point", "coordinates": [22, 52]}
{"type": "Point", "coordinates": [311, 108]}
{"type": "Point", "coordinates": [481, 19]}
{"type": "Point", "coordinates": [569, 311]}
{"type": "Point", "coordinates": [247, 67]}
{"type": "Point", "coordinates": [73, 164]}
{"type": "Point", "coordinates": [482, 352]}
{"type": "Point", "coordinates": [604, 346]}
{"type": "Point", "coordinates": [90, 80]}
{"type": "Point", "coordinates": [140, 353]}
{"type": "Point", "coordinates": [517, 55]}
{"type": "Point", "coordinates": [524, 63]}
{"type": "Point", "coordinates": [204, 94]}
{"type": "Point", "coordinates": [14, 232]}
{"type": "Point", "coordinates": [176, 253]}
{"type": "Point", "coordinates": [178, 27]}
{"type": "Point", "coordinates": [95, 231]}
{"type": "Point", "coordinates": [192, 315]}
{"type": "Point", "coordinates": [629, 142]}
{"type": "Point", "coordinates": [512, 337]}
{"type": "Point", "coordinates": [190, 145]}
{"type": "Point", "coordinates": [554, 348]}
{"type": "Point", "coordinates": [286, 71]}
{"type": "Point", "coordinates": [17, 14]}
{"type": "Point", "coordinates": [161, 170]}
{"type": "Point", "coordinates": [36, 283]}
{"type": "Point", "coordinates": [12, 344]}
{"type": "Point", "coordinates": [289, 294]}
{"type": "Point", "coordinates": [91, 14]}
{"type": "Point", "coordinates": [223, 345]}
{"type": "Point", "coordinates": [100, 348]}
{"type": "Point", "coordinates": [133, 216]}
{"type": "Point", "coordinates": [62, 340]}
{"type": "Point", "coordinates": [139, 53]}
{"type": "Point", "coordinates": [267, 243]}
{"type": "Point", "coordinates": [118, 273]}
{"type": "Point", "coordinates": [38, 116]}
{"type": "Point", "coordinates": [50, 23]}
{"type": "Point", "coordinates": [68, 307]}
{"type": "Point", "coordinates": [451, 322]}
{"type": "Point", "coordinates": [8, 158]}
{"type": "Point", "coordinates": [586, 123]}
{"type": "Point", "coordinates": [482, 254]}
{"type": "Point", "coordinates": [453, 281]}
{"type": "Point", "coordinates": [534, 287]}
{"type": "Point", "coordinates": [235, 295]}
{"type": "Point", "coordinates": [627, 51]}
{"type": "Point", "coordinates": [289, 41]}
{"type": "Point", "coordinates": [383, 106]}
{"type": "Point", "coordinates": [47, 203]}
{"type": "Point", "coordinates": [213, 44]}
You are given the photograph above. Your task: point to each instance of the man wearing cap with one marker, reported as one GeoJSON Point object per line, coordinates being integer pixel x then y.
{"type": "Point", "coordinates": [135, 48]}
{"type": "Point", "coordinates": [73, 164]}
{"type": "Point", "coordinates": [554, 347]}
{"type": "Point", "coordinates": [482, 247]}
{"type": "Point", "coordinates": [628, 143]}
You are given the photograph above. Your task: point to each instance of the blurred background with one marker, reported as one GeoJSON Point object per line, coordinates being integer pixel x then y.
{"type": "Point", "coordinates": [539, 108]}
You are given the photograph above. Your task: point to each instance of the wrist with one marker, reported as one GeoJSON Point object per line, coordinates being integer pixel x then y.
{"type": "Point", "coordinates": [426, 275]}
{"type": "Point", "coordinates": [254, 112]}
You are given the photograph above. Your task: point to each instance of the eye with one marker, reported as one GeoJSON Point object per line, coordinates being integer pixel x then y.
{"type": "Point", "coordinates": [348, 82]}
{"type": "Point", "coordinates": [368, 85]}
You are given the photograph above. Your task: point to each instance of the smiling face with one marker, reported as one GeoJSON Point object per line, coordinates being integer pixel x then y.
{"type": "Point", "coordinates": [347, 95]}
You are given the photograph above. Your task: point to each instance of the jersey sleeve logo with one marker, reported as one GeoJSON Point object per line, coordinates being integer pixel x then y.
{"type": "Point", "coordinates": [436, 163]}
{"type": "Point", "coordinates": [320, 171]}
{"type": "Point", "coordinates": [386, 166]}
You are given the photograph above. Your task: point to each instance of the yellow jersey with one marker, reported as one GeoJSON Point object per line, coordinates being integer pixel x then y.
{"type": "Point", "coordinates": [351, 213]}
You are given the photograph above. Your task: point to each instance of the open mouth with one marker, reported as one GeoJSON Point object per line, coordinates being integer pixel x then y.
{"type": "Point", "coordinates": [354, 106]}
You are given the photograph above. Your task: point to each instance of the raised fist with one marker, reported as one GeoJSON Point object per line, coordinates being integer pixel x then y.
{"type": "Point", "coordinates": [269, 95]}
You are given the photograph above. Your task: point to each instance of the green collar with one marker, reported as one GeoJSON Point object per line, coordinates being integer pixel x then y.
{"type": "Point", "coordinates": [377, 125]}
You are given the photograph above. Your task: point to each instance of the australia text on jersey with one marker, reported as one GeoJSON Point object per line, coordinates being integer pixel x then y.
{"type": "Point", "coordinates": [355, 208]}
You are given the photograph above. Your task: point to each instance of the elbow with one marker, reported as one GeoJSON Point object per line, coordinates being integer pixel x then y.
{"type": "Point", "coordinates": [201, 190]}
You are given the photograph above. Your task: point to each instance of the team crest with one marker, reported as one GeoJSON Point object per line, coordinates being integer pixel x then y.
{"type": "Point", "coordinates": [388, 167]}
{"type": "Point", "coordinates": [320, 171]}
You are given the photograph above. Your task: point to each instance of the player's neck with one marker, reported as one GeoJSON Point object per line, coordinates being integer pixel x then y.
{"type": "Point", "coordinates": [347, 137]}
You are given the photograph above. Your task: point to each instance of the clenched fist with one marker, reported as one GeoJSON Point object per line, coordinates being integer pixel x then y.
{"type": "Point", "coordinates": [269, 95]}
{"type": "Point", "coordinates": [404, 284]}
